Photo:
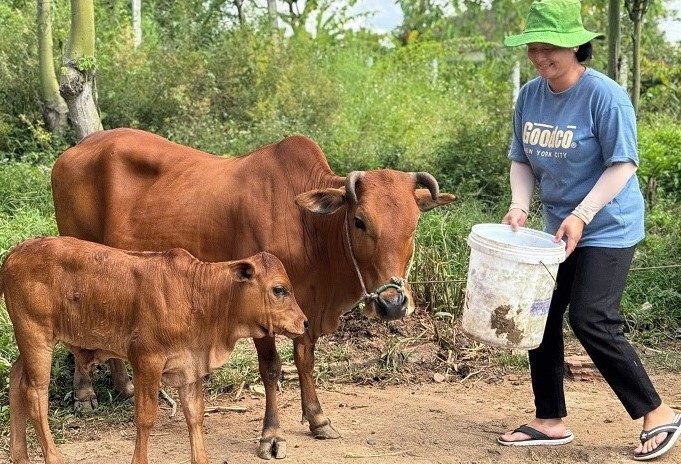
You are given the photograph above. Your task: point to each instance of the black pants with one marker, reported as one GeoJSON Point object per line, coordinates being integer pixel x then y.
{"type": "Point", "coordinates": [591, 281]}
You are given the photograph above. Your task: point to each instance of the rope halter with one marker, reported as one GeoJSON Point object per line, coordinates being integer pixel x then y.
{"type": "Point", "coordinates": [396, 283]}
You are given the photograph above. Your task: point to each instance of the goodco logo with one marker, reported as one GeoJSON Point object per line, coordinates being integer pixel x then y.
{"type": "Point", "coordinates": [547, 136]}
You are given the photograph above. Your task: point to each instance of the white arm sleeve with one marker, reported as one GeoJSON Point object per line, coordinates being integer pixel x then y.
{"type": "Point", "coordinates": [522, 186]}
{"type": "Point", "coordinates": [611, 182]}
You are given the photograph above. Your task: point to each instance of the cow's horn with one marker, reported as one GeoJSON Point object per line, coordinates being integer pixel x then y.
{"type": "Point", "coordinates": [350, 182]}
{"type": "Point", "coordinates": [428, 181]}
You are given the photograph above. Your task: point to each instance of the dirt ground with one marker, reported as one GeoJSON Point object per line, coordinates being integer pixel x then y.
{"type": "Point", "coordinates": [442, 408]}
{"type": "Point", "coordinates": [453, 422]}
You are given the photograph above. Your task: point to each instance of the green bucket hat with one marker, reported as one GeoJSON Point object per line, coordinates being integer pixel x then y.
{"type": "Point", "coordinates": [556, 22]}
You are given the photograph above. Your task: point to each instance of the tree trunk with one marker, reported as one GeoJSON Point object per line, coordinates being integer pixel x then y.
{"type": "Point", "coordinates": [54, 108]}
{"type": "Point", "coordinates": [240, 11]}
{"type": "Point", "coordinates": [651, 191]}
{"type": "Point", "coordinates": [77, 84]}
{"type": "Point", "coordinates": [613, 38]}
{"type": "Point", "coordinates": [624, 72]}
{"type": "Point", "coordinates": [636, 65]}
{"type": "Point", "coordinates": [636, 9]}
{"type": "Point", "coordinates": [137, 22]}
{"type": "Point", "coordinates": [272, 11]}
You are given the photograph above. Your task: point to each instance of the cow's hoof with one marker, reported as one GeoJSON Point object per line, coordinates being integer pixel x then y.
{"type": "Point", "coordinates": [272, 448]}
{"type": "Point", "coordinates": [325, 432]}
{"type": "Point", "coordinates": [128, 391]}
{"type": "Point", "coordinates": [87, 404]}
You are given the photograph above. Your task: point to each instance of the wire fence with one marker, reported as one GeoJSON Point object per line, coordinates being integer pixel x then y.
{"type": "Point", "coordinates": [448, 295]}
{"type": "Point", "coordinates": [440, 295]}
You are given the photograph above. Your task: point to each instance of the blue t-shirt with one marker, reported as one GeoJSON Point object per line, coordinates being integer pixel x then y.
{"type": "Point", "coordinates": [569, 138]}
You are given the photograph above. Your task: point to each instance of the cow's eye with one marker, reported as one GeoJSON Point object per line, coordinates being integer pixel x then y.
{"type": "Point", "coordinates": [360, 224]}
{"type": "Point", "coordinates": [279, 291]}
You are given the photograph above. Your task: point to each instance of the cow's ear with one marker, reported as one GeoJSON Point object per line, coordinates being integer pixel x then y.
{"type": "Point", "coordinates": [426, 202]}
{"type": "Point", "coordinates": [322, 201]}
{"type": "Point", "coordinates": [243, 271]}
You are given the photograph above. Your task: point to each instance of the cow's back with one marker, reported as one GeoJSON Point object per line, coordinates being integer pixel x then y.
{"type": "Point", "coordinates": [95, 182]}
{"type": "Point", "coordinates": [134, 190]}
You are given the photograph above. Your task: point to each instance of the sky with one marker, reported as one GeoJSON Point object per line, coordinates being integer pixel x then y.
{"type": "Point", "coordinates": [388, 16]}
{"type": "Point", "coordinates": [672, 29]}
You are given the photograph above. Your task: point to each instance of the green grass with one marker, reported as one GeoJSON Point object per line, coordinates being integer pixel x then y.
{"type": "Point", "coordinates": [26, 222]}
{"type": "Point", "coordinates": [240, 370]}
{"type": "Point", "coordinates": [242, 367]}
{"type": "Point", "coordinates": [511, 359]}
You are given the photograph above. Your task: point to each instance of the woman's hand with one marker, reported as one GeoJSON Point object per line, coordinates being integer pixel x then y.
{"type": "Point", "coordinates": [572, 227]}
{"type": "Point", "coordinates": [516, 218]}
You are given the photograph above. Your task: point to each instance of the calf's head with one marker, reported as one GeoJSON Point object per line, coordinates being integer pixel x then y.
{"type": "Point", "coordinates": [382, 210]}
{"type": "Point", "coordinates": [264, 300]}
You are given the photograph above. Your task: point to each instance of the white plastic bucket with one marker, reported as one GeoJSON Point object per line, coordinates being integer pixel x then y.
{"type": "Point", "coordinates": [511, 277]}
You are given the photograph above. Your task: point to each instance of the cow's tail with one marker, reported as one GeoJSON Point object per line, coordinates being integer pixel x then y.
{"type": "Point", "coordinates": [3, 264]}
{"type": "Point", "coordinates": [2, 274]}
{"type": "Point", "coordinates": [2, 290]}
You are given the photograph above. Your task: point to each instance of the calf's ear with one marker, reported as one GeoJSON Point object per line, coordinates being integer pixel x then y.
{"type": "Point", "coordinates": [242, 271]}
{"type": "Point", "coordinates": [426, 202]}
{"type": "Point", "coordinates": [322, 201]}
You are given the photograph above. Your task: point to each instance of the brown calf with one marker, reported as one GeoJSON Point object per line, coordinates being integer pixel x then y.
{"type": "Point", "coordinates": [172, 316]}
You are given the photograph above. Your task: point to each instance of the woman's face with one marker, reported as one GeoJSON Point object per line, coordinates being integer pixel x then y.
{"type": "Point", "coordinates": [552, 63]}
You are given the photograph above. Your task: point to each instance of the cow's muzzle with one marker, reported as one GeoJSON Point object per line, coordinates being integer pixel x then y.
{"type": "Point", "coordinates": [390, 300]}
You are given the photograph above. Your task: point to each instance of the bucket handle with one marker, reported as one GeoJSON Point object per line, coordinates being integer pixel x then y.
{"type": "Point", "coordinates": [555, 284]}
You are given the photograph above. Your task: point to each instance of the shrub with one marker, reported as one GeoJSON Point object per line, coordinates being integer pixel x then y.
{"type": "Point", "coordinates": [660, 163]}
{"type": "Point", "coordinates": [24, 184]}
{"type": "Point", "coordinates": [652, 300]}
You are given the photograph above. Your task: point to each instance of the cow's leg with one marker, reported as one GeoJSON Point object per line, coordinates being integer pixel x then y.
{"type": "Point", "coordinates": [32, 376]}
{"type": "Point", "coordinates": [191, 397]}
{"type": "Point", "coordinates": [272, 443]}
{"type": "Point", "coordinates": [303, 353]}
{"type": "Point", "coordinates": [147, 379]}
{"type": "Point", "coordinates": [120, 378]}
{"type": "Point", "coordinates": [84, 394]}
{"type": "Point", "coordinates": [17, 414]}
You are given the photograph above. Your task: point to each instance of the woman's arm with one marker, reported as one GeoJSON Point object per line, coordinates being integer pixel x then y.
{"type": "Point", "coordinates": [522, 187]}
{"type": "Point", "coordinates": [611, 182]}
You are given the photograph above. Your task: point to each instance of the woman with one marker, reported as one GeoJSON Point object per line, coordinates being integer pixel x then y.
{"type": "Point", "coordinates": [574, 131]}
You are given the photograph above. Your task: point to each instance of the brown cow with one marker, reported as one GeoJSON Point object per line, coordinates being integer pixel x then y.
{"type": "Point", "coordinates": [172, 316]}
{"type": "Point", "coordinates": [342, 239]}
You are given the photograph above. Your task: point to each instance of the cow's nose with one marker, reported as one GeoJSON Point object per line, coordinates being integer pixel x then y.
{"type": "Point", "coordinates": [391, 306]}
{"type": "Point", "coordinates": [306, 324]}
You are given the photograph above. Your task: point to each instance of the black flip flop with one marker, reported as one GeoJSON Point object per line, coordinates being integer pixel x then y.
{"type": "Point", "coordinates": [673, 433]}
{"type": "Point", "coordinates": [537, 438]}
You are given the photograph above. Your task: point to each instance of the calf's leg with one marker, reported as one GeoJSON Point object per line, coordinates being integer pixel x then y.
{"type": "Point", "coordinates": [17, 414]}
{"type": "Point", "coordinates": [191, 397]}
{"type": "Point", "coordinates": [303, 354]}
{"type": "Point", "coordinates": [120, 378]}
{"type": "Point", "coordinates": [32, 374]}
{"type": "Point", "coordinates": [272, 443]}
{"type": "Point", "coordinates": [147, 378]}
{"type": "Point", "coordinates": [84, 393]}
